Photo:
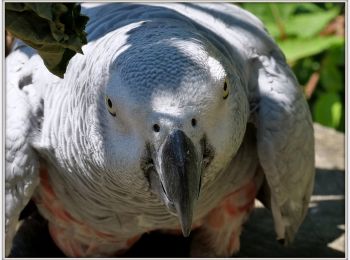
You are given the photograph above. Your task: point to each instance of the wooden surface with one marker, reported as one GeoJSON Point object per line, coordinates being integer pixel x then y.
{"type": "Point", "coordinates": [321, 234]}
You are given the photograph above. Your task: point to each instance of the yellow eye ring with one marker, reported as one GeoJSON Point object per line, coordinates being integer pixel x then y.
{"type": "Point", "coordinates": [226, 91]}
{"type": "Point", "coordinates": [110, 106]}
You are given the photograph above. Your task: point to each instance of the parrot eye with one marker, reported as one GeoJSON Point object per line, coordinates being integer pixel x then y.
{"type": "Point", "coordinates": [226, 92]}
{"type": "Point", "coordinates": [110, 106]}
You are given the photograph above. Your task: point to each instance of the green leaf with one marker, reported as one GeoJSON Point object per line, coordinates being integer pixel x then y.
{"type": "Point", "coordinates": [260, 10]}
{"type": "Point", "coordinates": [55, 30]}
{"type": "Point", "coordinates": [335, 56]}
{"type": "Point", "coordinates": [267, 11]}
{"type": "Point", "coordinates": [283, 10]}
{"type": "Point", "coordinates": [308, 25]}
{"type": "Point", "coordinates": [295, 49]}
{"type": "Point", "coordinates": [331, 5]}
{"type": "Point", "coordinates": [332, 70]}
{"type": "Point", "coordinates": [336, 111]}
{"type": "Point", "coordinates": [341, 126]}
{"type": "Point", "coordinates": [302, 25]}
{"type": "Point", "coordinates": [328, 109]}
{"type": "Point", "coordinates": [272, 15]}
{"type": "Point", "coordinates": [331, 79]}
{"type": "Point", "coordinates": [287, 17]}
{"type": "Point", "coordinates": [308, 7]}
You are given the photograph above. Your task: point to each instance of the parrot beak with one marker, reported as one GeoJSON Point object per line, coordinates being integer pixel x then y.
{"type": "Point", "coordinates": [180, 174]}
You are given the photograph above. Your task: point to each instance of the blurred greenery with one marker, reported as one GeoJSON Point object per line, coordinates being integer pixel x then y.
{"type": "Point", "coordinates": [311, 36]}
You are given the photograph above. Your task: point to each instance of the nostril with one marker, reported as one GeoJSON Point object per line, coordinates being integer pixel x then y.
{"type": "Point", "coordinates": [194, 122]}
{"type": "Point", "coordinates": [156, 128]}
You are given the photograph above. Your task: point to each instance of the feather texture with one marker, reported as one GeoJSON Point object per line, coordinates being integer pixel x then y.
{"type": "Point", "coordinates": [161, 65]}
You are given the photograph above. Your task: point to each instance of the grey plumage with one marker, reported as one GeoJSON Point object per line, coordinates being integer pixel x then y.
{"type": "Point", "coordinates": [165, 65]}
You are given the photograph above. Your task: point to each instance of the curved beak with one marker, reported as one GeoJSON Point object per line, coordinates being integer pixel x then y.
{"type": "Point", "coordinates": [180, 174]}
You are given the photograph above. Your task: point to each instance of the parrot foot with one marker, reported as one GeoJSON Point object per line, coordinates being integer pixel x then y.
{"type": "Point", "coordinates": [219, 236]}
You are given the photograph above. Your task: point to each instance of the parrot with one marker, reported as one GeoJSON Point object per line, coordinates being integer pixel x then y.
{"type": "Point", "coordinates": [175, 118]}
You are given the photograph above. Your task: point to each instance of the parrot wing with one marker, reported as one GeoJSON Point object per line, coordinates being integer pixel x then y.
{"type": "Point", "coordinates": [285, 142]}
{"type": "Point", "coordinates": [22, 162]}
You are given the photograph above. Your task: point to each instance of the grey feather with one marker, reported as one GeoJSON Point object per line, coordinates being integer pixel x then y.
{"type": "Point", "coordinates": [285, 142]}
{"type": "Point", "coordinates": [159, 64]}
{"type": "Point", "coordinates": [22, 120]}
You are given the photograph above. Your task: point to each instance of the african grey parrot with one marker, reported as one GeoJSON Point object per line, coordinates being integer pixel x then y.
{"type": "Point", "coordinates": [174, 119]}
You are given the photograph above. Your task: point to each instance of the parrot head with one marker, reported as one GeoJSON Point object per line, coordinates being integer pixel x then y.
{"type": "Point", "coordinates": [178, 111]}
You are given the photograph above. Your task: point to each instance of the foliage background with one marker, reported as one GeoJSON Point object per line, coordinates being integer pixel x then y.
{"type": "Point", "coordinates": [311, 36]}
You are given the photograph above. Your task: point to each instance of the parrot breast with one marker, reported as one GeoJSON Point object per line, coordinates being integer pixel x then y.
{"type": "Point", "coordinates": [76, 235]}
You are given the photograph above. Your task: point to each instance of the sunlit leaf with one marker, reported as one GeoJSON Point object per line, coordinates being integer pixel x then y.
{"type": "Point", "coordinates": [336, 110]}
{"type": "Point", "coordinates": [302, 25]}
{"type": "Point", "coordinates": [328, 109]}
{"type": "Point", "coordinates": [295, 49]}
{"type": "Point", "coordinates": [284, 10]}
{"type": "Point", "coordinates": [308, 25]}
{"type": "Point", "coordinates": [308, 7]}
{"type": "Point", "coordinates": [265, 11]}
{"type": "Point", "coordinates": [341, 126]}
{"type": "Point", "coordinates": [261, 10]}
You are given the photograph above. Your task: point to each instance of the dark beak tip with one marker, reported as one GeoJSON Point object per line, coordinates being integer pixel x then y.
{"type": "Point", "coordinates": [185, 221]}
{"type": "Point", "coordinates": [186, 231]}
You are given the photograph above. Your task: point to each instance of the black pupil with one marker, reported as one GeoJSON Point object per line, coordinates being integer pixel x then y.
{"type": "Point", "coordinates": [109, 103]}
{"type": "Point", "coordinates": [194, 122]}
{"type": "Point", "coordinates": [225, 86]}
{"type": "Point", "coordinates": [156, 128]}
